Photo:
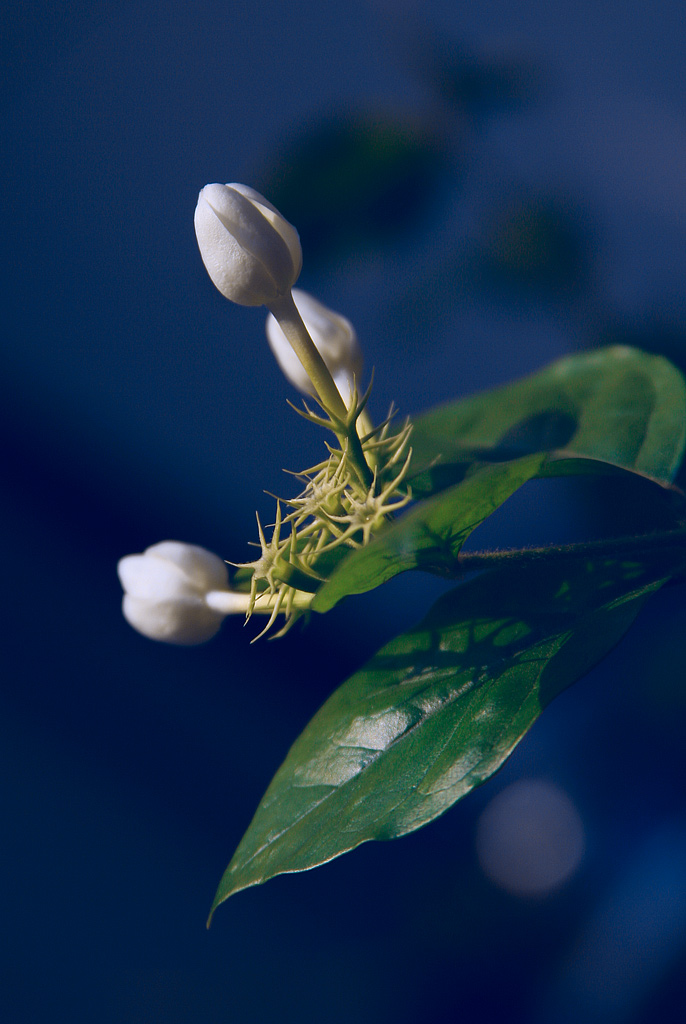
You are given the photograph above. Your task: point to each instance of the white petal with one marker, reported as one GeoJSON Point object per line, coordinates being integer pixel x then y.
{"type": "Point", "coordinates": [284, 227]}
{"type": "Point", "coordinates": [174, 622]}
{"type": "Point", "coordinates": [237, 274]}
{"type": "Point", "coordinates": [154, 579]}
{"type": "Point", "coordinates": [207, 570]}
{"type": "Point", "coordinates": [251, 252]}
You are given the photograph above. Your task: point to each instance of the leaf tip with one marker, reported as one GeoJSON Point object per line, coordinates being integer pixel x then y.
{"type": "Point", "coordinates": [215, 904]}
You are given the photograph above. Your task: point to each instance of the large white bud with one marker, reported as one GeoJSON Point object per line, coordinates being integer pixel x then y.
{"type": "Point", "coordinates": [251, 252]}
{"type": "Point", "coordinates": [166, 592]}
{"type": "Point", "coordinates": [334, 337]}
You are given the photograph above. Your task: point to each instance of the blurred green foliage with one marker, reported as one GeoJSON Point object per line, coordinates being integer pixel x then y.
{"type": "Point", "coordinates": [355, 183]}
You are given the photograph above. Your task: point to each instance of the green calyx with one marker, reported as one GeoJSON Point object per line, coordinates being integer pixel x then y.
{"type": "Point", "coordinates": [339, 509]}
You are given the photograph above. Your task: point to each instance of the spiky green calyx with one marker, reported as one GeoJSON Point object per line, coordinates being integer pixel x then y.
{"type": "Point", "coordinates": [337, 510]}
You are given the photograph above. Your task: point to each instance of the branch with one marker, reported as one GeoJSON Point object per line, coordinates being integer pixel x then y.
{"type": "Point", "coordinates": [660, 540]}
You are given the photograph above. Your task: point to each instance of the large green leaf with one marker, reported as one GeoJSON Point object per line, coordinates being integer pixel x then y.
{"type": "Point", "coordinates": [617, 405]}
{"type": "Point", "coordinates": [430, 536]}
{"type": "Point", "coordinates": [437, 711]}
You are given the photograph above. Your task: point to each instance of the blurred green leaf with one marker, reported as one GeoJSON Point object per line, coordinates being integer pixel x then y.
{"type": "Point", "coordinates": [437, 710]}
{"type": "Point", "coordinates": [617, 405]}
{"type": "Point", "coordinates": [430, 536]}
{"type": "Point", "coordinates": [475, 83]}
{"type": "Point", "coordinates": [353, 183]}
{"type": "Point", "coordinates": [536, 244]}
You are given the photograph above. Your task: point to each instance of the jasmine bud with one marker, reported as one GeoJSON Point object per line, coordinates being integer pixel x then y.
{"type": "Point", "coordinates": [177, 592]}
{"type": "Point", "coordinates": [250, 251]}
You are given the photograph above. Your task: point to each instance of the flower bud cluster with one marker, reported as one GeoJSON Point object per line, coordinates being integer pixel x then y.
{"type": "Point", "coordinates": [180, 593]}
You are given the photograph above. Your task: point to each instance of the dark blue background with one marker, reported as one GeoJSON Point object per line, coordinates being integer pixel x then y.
{"type": "Point", "coordinates": [138, 405]}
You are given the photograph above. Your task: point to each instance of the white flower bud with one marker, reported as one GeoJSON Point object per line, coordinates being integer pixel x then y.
{"type": "Point", "coordinates": [251, 252]}
{"type": "Point", "coordinates": [334, 337]}
{"type": "Point", "coordinates": [166, 590]}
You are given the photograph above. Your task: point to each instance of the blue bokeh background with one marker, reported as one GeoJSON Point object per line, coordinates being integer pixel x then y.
{"type": "Point", "coordinates": [537, 209]}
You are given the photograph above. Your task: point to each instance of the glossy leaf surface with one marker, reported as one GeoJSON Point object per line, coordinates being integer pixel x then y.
{"type": "Point", "coordinates": [430, 536]}
{"type": "Point", "coordinates": [618, 405]}
{"type": "Point", "coordinates": [437, 711]}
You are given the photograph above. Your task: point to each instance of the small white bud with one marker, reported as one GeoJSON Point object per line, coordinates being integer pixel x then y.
{"type": "Point", "coordinates": [251, 252]}
{"type": "Point", "coordinates": [334, 337]}
{"type": "Point", "coordinates": [166, 590]}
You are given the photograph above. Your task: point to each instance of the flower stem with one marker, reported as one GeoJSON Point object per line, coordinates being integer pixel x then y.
{"type": "Point", "coordinates": [291, 323]}
{"type": "Point", "coordinates": [231, 602]}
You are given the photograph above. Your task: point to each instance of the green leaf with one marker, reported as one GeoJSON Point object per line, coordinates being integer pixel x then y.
{"type": "Point", "coordinates": [437, 710]}
{"type": "Point", "coordinates": [430, 536]}
{"type": "Point", "coordinates": [617, 405]}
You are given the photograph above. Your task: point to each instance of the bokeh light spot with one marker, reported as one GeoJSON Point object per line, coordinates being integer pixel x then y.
{"type": "Point", "coordinates": [530, 838]}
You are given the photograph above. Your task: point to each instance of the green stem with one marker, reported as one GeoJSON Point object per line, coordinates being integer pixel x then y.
{"type": "Point", "coordinates": [357, 456]}
{"type": "Point", "coordinates": [291, 323]}
{"type": "Point", "coordinates": [471, 561]}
